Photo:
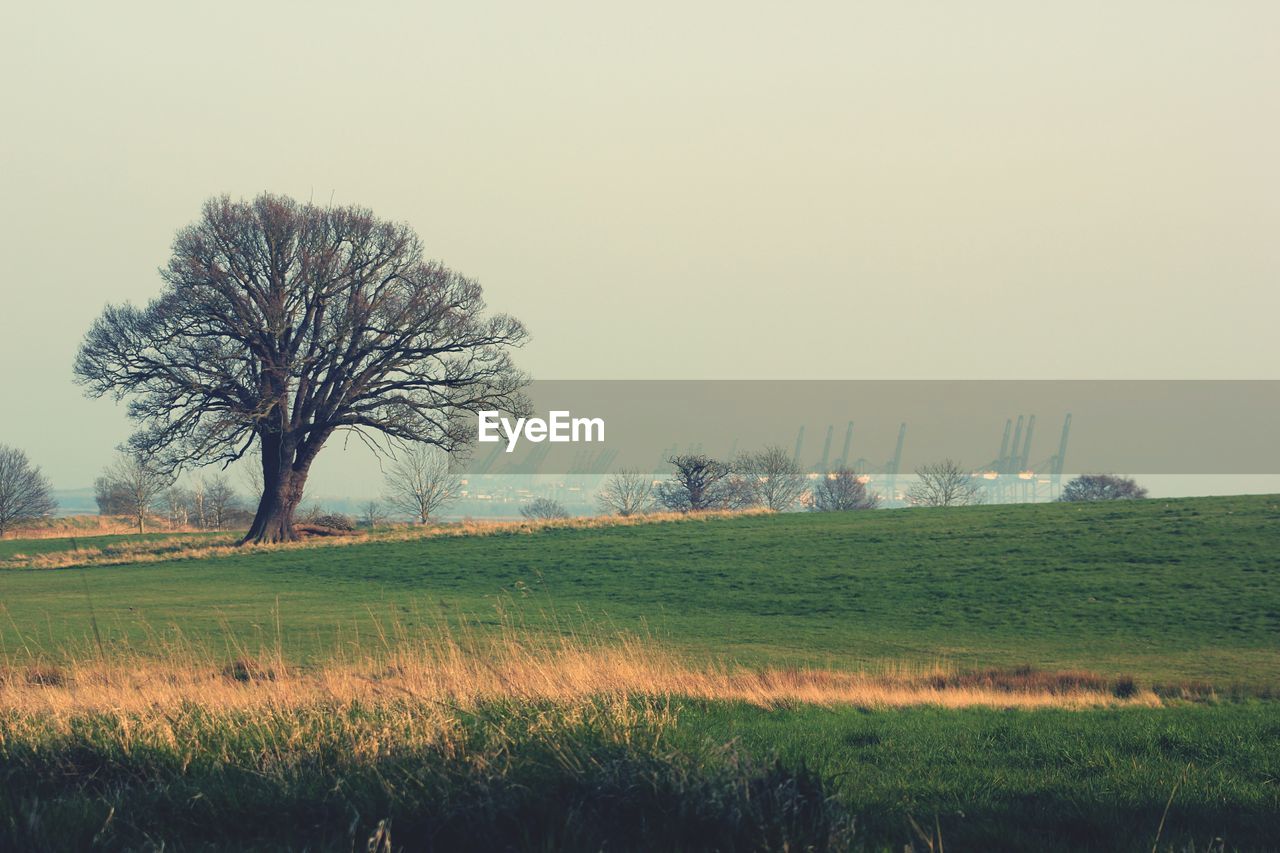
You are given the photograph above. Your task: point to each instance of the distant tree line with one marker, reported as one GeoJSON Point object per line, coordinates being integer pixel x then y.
{"type": "Point", "coordinates": [769, 478]}
{"type": "Point", "coordinates": [424, 479]}
{"type": "Point", "coordinates": [134, 487]}
{"type": "Point", "coordinates": [772, 479]}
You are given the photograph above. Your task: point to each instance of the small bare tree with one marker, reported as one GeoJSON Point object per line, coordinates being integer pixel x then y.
{"type": "Point", "coordinates": [177, 501]}
{"type": "Point", "coordinates": [197, 502]}
{"type": "Point", "coordinates": [372, 515]}
{"type": "Point", "coordinates": [251, 480]}
{"type": "Point", "coordinates": [542, 509]}
{"type": "Point", "coordinates": [220, 499]}
{"type": "Point", "coordinates": [701, 483]}
{"type": "Point", "coordinates": [110, 498]}
{"type": "Point", "coordinates": [627, 492]}
{"type": "Point", "coordinates": [773, 477]}
{"type": "Point", "coordinates": [1102, 487]}
{"type": "Point", "coordinates": [135, 481]}
{"type": "Point", "coordinates": [943, 483]}
{"type": "Point", "coordinates": [421, 481]}
{"type": "Point", "coordinates": [840, 491]}
{"type": "Point", "coordinates": [25, 493]}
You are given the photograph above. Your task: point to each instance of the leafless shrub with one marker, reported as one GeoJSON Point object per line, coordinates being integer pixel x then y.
{"type": "Point", "coordinates": [701, 483]}
{"type": "Point", "coordinates": [1102, 487]}
{"type": "Point", "coordinates": [326, 522]}
{"type": "Point", "coordinates": [943, 483]}
{"type": "Point", "coordinates": [773, 477]}
{"type": "Point", "coordinates": [627, 492]}
{"type": "Point", "coordinates": [372, 515]}
{"type": "Point", "coordinates": [840, 491]}
{"type": "Point", "coordinates": [541, 509]}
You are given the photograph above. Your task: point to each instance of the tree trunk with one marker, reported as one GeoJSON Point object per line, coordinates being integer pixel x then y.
{"type": "Point", "coordinates": [282, 484]}
{"type": "Point", "coordinates": [284, 476]}
{"type": "Point", "coordinates": [274, 520]}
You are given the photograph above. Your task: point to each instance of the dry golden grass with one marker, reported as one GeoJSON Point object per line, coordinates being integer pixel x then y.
{"type": "Point", "coordinates": [464, 671]}
{"type": "Point", "coordinates": [63, 526]}
{"type": "Point", "coordinates": [178, 548]}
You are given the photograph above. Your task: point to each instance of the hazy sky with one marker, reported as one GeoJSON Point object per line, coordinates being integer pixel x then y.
{"type": "Point", "coordinates": [735, 190]}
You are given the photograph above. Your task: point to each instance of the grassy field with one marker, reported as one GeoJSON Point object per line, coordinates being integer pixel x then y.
{"type": "Point", "coordinates": [1166, 590]}
{"type": "Point", "coordinates": [993, 779]}
{"type": "Point", "coordinates": [639, 774]}
{"type": "Point", "coordinates": [853, 681]}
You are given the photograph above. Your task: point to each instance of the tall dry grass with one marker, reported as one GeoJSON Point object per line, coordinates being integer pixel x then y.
{"type": "Point", "coordinates": [64, 526]}
{"type": "Point", "coordinates": [461, 667]}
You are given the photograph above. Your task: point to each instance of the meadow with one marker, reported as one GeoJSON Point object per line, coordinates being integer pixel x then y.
{"type": "Point", "coordinates": [1019, 677]}
{"type": "Point", "coordinates": [1177, 590]}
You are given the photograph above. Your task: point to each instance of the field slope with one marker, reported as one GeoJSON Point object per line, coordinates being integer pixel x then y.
{"type": "Point", "coordinates": [270, 698]}
{"type": "Point", "coordinates": [1167, 590]}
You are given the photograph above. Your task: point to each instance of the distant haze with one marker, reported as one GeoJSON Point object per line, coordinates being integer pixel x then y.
{"type": "Point", "coordinates": [714, 190]}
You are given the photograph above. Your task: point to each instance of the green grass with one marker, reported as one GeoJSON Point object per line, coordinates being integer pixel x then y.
{"type": "Point", "coordinates": [710, 777]}
{"type": "Point", "coordinates": [1166, 590]}
{"type": "Point", "coordinates": [514, 777]}
{"type": "Point", "coordinates": [1041, 780]}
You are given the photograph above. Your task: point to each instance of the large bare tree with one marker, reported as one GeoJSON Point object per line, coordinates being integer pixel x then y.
{"type": "Point", "coordinates": [282, 323]}
{"type": "Point", "coordinates": [422, 480]}
{"type": "Point", "coordinates": [25, 493]}
{"type": "Point", "coordinates": [943, 483]}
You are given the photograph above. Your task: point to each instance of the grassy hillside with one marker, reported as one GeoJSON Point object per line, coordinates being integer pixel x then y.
{"type": "Point", "coordinates": [1166, 590]}
{"type": "Point", "coordinates": [532, 742]}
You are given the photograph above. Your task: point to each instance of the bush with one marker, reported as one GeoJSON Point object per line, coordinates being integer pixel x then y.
{"type": "Point", "coordinates": [334, 521]}
{"type": "Point", "coordinates": [702, 483]}
{"type": "Point", "coordinates": [543, 509]}
{"type": "Point", "coordinates": [840, 491]}
{"type": "Point", "coordinates": [1102, 487]}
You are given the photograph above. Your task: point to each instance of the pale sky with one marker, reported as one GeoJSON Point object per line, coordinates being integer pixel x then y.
{"type": "Point", "coordinates": [704, 190]}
